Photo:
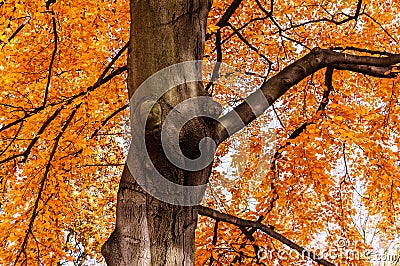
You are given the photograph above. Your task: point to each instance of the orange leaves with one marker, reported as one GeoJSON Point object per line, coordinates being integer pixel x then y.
{"type": "Point", "coordinates": [347, 153]}
{"type": "Point", "coordinates": [212, 29]}
{"type": "Point", "coordinates": [74, 193]}
{"type": "Point", "coordinates": [307, 185]}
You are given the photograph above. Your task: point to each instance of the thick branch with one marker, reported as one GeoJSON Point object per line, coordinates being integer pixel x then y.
{"type": "Point", "coordinates": [275, 87]}
{"type": "Point", "coordinates": [375, 71]}
{"type": "Point", "coordinates": [205, 211]}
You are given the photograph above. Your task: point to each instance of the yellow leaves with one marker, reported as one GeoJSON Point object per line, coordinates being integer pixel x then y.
{"type": "Point", "coordinates": [81, 196]}
{"type": "Point", "coordinates": [24, 64]}
{"type": "Point", "coordinates": [323, 46]}
{"type": "Point", "coordinates": [326, 181]}
{"type": "Point", "coordinates": [281, 202]}
{"type": "Point", "coordinates": [13, 237]}
{"type": "Point", "coordinates": [212, 29]}
{"type": "Point", "coordinates": [338, 118]}
{"type": "Point", "coordinates": [3, 39]}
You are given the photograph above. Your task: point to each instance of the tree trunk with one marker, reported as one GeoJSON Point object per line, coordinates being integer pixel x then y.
{"type": "Point", "coordinates": [149, 231]}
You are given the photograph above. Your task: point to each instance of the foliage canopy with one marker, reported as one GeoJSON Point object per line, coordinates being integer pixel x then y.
{"type": "Point", "coordinates": [331, 175]}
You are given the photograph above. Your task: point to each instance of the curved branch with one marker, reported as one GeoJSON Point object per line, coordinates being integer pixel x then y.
{"type": "Point", "coordinates": [275, 87]}
{"type": "Point", "coordinates": [205, 211]}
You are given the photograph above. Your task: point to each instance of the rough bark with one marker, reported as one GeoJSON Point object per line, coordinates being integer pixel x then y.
{"type": "Point", "coordinates": [149, 231]}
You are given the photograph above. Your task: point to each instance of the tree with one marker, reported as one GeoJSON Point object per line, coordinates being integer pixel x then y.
{"type": "Point", "coordinates": [326, 70]}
